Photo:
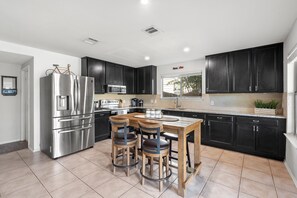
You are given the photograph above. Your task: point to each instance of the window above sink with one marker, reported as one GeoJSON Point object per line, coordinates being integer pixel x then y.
{"type": "Point", "coordinates": [182, 86]}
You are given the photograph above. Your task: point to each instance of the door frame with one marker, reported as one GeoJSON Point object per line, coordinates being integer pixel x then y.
{"type": "Point", "coordinates": [25, 102]}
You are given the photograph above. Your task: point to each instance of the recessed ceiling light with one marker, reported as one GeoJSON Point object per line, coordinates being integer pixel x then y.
{"type": "Point", "coordinates": [147, 58]}
{"type": "Point", "coordinates": [90, 41]}
{"type": "Point", "coordinates": [144, 2]}
{"type": "Point", "coordinates": [186, 49]}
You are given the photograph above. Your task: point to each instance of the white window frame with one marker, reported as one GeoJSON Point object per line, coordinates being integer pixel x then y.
{"type": "Point", "coordinates": [179, 76]}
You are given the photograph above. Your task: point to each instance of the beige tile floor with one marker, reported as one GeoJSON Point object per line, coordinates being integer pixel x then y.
{"type": "Point", "coordinates": [88, 174]}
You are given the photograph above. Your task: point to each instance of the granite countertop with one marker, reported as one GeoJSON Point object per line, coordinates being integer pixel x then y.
{"type": "Point", "coordinates": [205, 111]}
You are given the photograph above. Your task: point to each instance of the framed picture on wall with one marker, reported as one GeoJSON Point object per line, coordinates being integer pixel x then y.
{"type": "Point", "coordinates": [9, 85]}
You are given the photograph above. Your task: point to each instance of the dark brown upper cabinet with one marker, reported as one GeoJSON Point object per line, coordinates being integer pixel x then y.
{"type": "Point", "coordinates": [268, 68]}
{"type": "Point", "coordinates": [130, 80]}
{"type": "Point", "coordinates": [254, 70]}
{"type": "Point", "coordinates": [114, 74]}
{"type": "Point", "coordinates": [217, 73]}
{"type": "Point", "coordinates": [94, 68]}
{"type": "Point", "coordinates": [241, 71]}
{"type": "Point", "coordinates": [146, 80]}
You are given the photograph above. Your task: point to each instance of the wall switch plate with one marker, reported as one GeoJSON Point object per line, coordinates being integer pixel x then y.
{"type": "Point", "coordinates": [212, 103]}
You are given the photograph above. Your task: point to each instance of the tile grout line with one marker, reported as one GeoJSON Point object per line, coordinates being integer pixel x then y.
{"type": "Point", "coordinates": [78, 179]}
{"type": "Point", "coordinates": [217, 161]}
{"type": "Point", "coordinates": [103, 170]}
{"type": "Point", "coordinates": [241, 175]}
{"type": "Point", "coordinates": [272, 178]}
{"type": "Point", "coordinates": [117, 176]}
{"type": "Point", "coordinates": [34, 174]}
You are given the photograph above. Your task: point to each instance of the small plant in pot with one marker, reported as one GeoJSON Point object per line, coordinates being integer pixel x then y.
{"type": "Point", "coordinates": [269, 108]}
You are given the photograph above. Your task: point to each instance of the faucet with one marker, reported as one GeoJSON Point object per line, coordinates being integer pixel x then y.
{"type": "Point", "coordinates": [177, 105]}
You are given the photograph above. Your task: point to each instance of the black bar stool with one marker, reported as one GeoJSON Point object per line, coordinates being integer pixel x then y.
{"type": "Point", "coordinates": [154, 148]}
{"type": "Point", "coordinates": [174, 137]}
{"type": "Point", "coordinates": [122, 139]}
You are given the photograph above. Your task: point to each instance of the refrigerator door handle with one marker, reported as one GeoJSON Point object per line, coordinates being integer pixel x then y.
{"type": "Point", "coordinates": [77, 95]}
{"type": "Point", "coordinates": [73, 119]}
{"type": "Point", "coordinates": [69, 131]}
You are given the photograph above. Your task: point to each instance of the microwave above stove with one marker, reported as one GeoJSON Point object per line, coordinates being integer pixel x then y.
{"type": "Point", "coordinates": [115, 89]}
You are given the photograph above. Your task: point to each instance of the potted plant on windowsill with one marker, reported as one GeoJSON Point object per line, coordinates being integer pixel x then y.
{"type": "Point", "coordinates": [268, 108]}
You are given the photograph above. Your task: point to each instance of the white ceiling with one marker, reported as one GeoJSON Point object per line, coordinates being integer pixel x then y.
{"type": "Point", "coordinates": [12, 58]}
{"type": "Point", "coordinates": [206, 26]}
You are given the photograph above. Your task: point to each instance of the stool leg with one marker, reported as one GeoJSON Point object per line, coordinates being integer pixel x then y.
{"type": "Point", "coordinates": [136, 153]}
{"type": "Point", "coordinates": [143, 168]}
{"type": "Point", "coordinates": [128, 161]}
{"type": "Point", "coordinates": [170, 149]}
{"type": "Point", "coordinates": [114, 152]}
{"type": "Point", "coordinates": [188, 154]}
{"type": "Point", "coordinates": [160, 173]}
{"type": "Point", "coordinates": [167, 165]}
{"type": "Point", "coordinates": [152, 166]}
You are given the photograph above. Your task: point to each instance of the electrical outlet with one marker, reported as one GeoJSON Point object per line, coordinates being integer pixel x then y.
{"type": "Point", "coordinates": [212, 103]}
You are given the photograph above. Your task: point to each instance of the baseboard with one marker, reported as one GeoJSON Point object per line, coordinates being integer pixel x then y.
{"type": "Point", "coordinates": [10, 141]}
{"type": "Point", "coordinates": [290, 173]}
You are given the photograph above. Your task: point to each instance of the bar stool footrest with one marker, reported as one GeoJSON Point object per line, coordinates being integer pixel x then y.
{"type": "Point", "coordinates": [156, 179]}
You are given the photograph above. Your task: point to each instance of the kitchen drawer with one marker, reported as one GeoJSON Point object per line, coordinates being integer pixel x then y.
{"type": "Point", "coordinates": [194, 115]}
{"type": "Point", "coordinates": [258, 121]}
{"type": "Point", "coordinates": [222, 118]}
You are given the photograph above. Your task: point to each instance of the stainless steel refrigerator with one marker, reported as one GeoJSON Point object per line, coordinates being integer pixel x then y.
{"type": "Point", "coordinates": [66, 114]}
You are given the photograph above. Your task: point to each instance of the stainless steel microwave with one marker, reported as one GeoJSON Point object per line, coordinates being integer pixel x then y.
{"type": "Point", "coordinates": [115, 89]}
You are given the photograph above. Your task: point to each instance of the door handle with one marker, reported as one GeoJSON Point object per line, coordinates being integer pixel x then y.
{"type": "Point", "coordinates": [69, 131]}
{"type": "Point", "coordinates": [73, 119]}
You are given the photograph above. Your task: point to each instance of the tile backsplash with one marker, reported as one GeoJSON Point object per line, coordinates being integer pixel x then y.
{"type": "Point", "coordinates": [229, 102]}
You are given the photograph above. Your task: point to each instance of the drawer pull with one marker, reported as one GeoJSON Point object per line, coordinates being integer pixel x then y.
{"type": "Point", "coordinates": [219, 118]}
{"type": "Point", "coordinates": [256, 121]}
{"type": "Point", "coordinates": [195, 116]}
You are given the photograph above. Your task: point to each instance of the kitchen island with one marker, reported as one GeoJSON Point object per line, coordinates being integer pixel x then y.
{"type": "Point", "coordinates": [182, 127]}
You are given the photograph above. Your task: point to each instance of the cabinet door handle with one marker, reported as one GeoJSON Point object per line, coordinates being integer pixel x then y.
{"type": "Point", "coordinates": [256, 88]}
{"type": "Point", "coordinates": [257, 128]}
{"type": "Point", "coordinates": [219, 118]}
{"type": "Point", "coordinates": [250, 88]}
{"type": "Point", "coordinates": [256, 121]}
{"type": "Point", "coordinates": [195, 116]}
{"type": "Point", "coordinates": [204, 122]}
{"type": "Point", "coordinates": [254, 128]}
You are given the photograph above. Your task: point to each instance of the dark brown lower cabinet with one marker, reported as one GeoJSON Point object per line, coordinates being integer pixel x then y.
{"type": "Point", "coordinates": [245, 136]}
{"type": "Point", "coordinates": [261, 136]}
{"type": "Point", "coordinates": [267, 140]}
{"type": "Point", "coordinates": [220, 130]}
{"type": "Point", "coordinates": [252, 135]}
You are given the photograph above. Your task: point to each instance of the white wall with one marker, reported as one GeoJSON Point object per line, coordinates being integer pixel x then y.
{"type": "Point", "coordinates": [193, 66]}
{"type": "Point", "coordinates": [42, 60]}
{"type": "Point", "coordinates": [10, 117]}
{"type": "Point", "coordinates": [291, 152]}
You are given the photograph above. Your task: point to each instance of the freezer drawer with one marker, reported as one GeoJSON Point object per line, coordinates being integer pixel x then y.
{"type": "Point", "coordinates": [68, 141]}
{"type": "Point", "coordinates": [72, 121]}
